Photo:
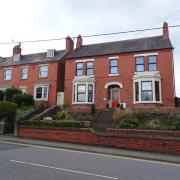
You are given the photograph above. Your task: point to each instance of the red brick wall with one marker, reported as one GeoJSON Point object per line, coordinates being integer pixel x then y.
{"type": "Point", "coordinates": [126, 65]}
{"type": "Point", "coordinates": [87, 137]}
{"type": "Point", "coordinates": [33, 77]}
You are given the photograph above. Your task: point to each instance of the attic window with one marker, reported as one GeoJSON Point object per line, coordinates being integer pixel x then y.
{"type": "Point", "coordinates": [50, 52]}
{"type": "Point", "coordinates": [16, 57]}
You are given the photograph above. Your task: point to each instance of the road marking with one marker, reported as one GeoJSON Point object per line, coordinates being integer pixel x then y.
{"type": "Point", "coordinates": [97, 154]}
{"type": "Point", "coordinates": [62, 169]}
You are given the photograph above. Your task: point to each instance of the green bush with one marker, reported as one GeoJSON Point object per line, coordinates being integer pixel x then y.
{"type": "Point", "coordinates": [54, 123]}
{"type": "Point", "coordinates": [23, 99]}
{"type": "Point", "coordinates": [10, 92]}
{"type": "Point", "coordinates": [7, 109]}
{"type": "Point", "coordinates": [154, 124]}
{"type": "Point", "coordinates": [1, 95]}
{"type": "Point", "coordinates": [84, 118]}
{"type": "Point", "coordinates": [62, 115]}
{"type": "Point", "coordinates": [128, 123]}
{"type": "Point", "coordinates": [175, 124]}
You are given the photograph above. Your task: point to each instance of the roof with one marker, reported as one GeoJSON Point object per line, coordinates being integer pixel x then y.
{"type": "Point", "coordinates": [33, 58]}
{"type": "Point", "coordinates": [132, 45]}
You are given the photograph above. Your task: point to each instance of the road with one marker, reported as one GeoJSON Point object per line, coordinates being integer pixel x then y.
{"type": "Point", "coordinates": [24, 162]}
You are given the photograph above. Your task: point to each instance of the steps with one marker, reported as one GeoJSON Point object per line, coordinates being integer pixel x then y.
{"type": "Point", "coordinates": [102, 121]}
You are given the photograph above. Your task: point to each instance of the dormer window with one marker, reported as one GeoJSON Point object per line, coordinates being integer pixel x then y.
{"type": "Point", "coordinates": [16, 57]}
{"type": "Point", "coordinates": [50, 52]}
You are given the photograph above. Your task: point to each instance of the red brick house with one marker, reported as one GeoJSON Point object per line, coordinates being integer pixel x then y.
{"type": "Point", "coordinates": [135, 73]}
{"type": "Point", "coordinates": [40, 74]}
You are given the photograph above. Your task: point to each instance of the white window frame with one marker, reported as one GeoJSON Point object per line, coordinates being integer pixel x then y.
{"type": "Point", "coordinates": [42, 98]}
{"type": "Point", "coordinates": [24, 73]}
{"type": "Point", "coordinates": [74, 92]}
{"type": "Point", "coordinates": [153, 80]}
{"type": "Point", "coordinates": [8, 69]}
{"type": "Point", "coordinates": [41, 66]}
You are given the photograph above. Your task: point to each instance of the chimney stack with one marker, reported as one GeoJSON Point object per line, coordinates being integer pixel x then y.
{"type": "Point", "coordinates": [69, 44]}
{"type": "Point", "coordinates": [17, 52]}
{"type": "Point", "coordinates": [165, 31]}
{"type": "Point", "coordinates": [79, 42]}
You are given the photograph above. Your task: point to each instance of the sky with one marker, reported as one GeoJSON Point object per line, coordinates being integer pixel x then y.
{"type": "Point", "coordinates": [23, 20]}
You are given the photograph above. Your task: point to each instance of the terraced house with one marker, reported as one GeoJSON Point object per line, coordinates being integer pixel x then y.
{"type": "Point", "coordinates": [40, 74]}
{"type": "Point", "coordinates": [131, 73]}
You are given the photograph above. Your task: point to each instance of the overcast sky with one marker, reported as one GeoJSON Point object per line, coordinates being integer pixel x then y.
{"type": "Point", "coordinates": [44, 19]}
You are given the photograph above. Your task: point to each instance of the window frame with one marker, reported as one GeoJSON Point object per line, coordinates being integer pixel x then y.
{"type": "Point", "coordinates": [40, 71]}
{"type": "Point", "coordinates": [84, 93]}
{"type": "Point", "coordinates": [24, 73]}
{"type": "Point", "coordinates": [113, 66]}
{"type": "Point", "coordinates": [91, 68]}
{"type": "Point", "coordinates": [5, 74]}
{"type": "Point", "coordinates": [43, 90]}
{"type": "Point", "coordinates": [142, 99]}
{"type": "Point", "coordinates": [139, 64]}
{"type": "Point", "coordinates": [152, 63]}
{"type": "Point", "coordinates": [79, 69]}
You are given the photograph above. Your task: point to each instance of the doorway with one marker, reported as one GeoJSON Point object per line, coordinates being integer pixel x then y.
{"type": "Point", "coordinates": [113, 96]}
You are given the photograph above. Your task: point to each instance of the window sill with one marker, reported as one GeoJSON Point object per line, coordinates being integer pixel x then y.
{"type": "Point", "coordinates": [147, 102]}
{"type": "Point", "coordinates": [84, 76]}
{"type": "Point", "coordinates": [113, 74]}
{"type": "Point", "coordinates": [41, 99]}
{"type": "Point", "coordinates": [43, 76]}
{"type": "Point", "coordinates": [7, 79]}
{"type": "Point", "coordinates": [83, 103]}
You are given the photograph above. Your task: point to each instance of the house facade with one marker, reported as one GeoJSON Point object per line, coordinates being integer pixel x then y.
{"type": "Point", "coordinates": [40, 74]}
{"type": "Point", "coordinates": [132, 73]}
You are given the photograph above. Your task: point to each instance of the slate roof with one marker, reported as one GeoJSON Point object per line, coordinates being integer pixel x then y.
{"type": "Point", "coordinates": [132, 45]}
{"type": "Point", "coordinates": [33, 58]}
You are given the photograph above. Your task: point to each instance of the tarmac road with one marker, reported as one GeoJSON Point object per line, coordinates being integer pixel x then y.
{"type": "Point", "coordinates": [21, 162]}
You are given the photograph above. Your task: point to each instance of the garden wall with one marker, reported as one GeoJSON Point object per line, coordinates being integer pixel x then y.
{"type": "Point", "coordinates": [86, 136]}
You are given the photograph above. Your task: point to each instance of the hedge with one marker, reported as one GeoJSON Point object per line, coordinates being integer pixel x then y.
{"type": "Point", "coordinates": [10, 92]}
{"type": "Point", "coordinates": [1, 95]}
{"type": "Point", "coordinates": [53, 123]}
{"type": "Point", "coordinates": [8, 109]}
{"type": "Point", "coordinates": [23, 99]}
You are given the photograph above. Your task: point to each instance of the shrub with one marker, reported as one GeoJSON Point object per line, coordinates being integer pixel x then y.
{"type": "Point", "coordinates": [1, 95]}
{"type": "Point", "coordinates": [23, 99]}
{"type": "Point", "coordinates": [84, 118]}
{"type": "Point", "coordinates": [128, 123]}
{"type": "Point", "coordinates": [53, 123]}
{"type": "Point", "coordinates": [10, 92]}
{"type": "Point", "coordinates": [62, 115]}
{"type": "Point", "coordinates": [121, 114]}
{"type": "Point", "coordinates": [154, 124]}
{"type": "Point", "coordinates": [175, 124]}
{"type": "Point", "coordinates": [7, 109]}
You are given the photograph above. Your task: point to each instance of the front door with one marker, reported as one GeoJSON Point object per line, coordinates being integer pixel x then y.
{"type": "Point", "coordinates": [113, 97]}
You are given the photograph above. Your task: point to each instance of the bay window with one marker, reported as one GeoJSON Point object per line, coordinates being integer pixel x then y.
{"type": "Point", "coordinates": [147, 90]}
{"type": "Point", "coordinates": [83, 93]}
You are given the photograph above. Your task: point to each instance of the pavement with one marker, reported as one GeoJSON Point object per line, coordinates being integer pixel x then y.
{"type": "Point", "coordinates": [171, 158]}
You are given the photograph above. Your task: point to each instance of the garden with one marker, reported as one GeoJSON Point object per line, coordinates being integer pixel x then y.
{"type": "Point", "coordinates": [150, 119]}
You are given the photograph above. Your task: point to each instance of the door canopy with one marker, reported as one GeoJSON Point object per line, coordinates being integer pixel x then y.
{"type": "Point", "coordinates": [113, 83]}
